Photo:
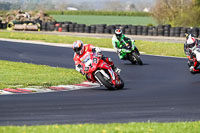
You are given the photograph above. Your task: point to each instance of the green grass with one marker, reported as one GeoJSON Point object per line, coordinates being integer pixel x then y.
{"type": "Point", "coordinates": [14, 74]}
{"type": "Point", "coordinates": [156, 48]}
{"type": "Point", "coordinates": [109, 20]}
{"type": "Point", "coordinates": [99, 13]}
{"type": "Point", "coordinates": [179, 127]}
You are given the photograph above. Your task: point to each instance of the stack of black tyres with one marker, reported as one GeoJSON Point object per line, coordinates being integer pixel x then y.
{"type": "Point", "coordinates": [127, 29]}
{"type": "Point", "coordinates": [100, 28]}
{"type": "Point", "coordinates": [1, 26]}
{"type": "Point", "coordinates": [72, 27]}
{"type": "Point", "coordinates": [145, 30]}
{"type": "Point", "coordinates": [112, 31]}
{"type": "Point", "coordinates": [5, 25]}
{"type": "Point", "coordinates": [87, 29]}
{"type": "Point", "coordinates": [172, 32]}
{"type": "Point", "coordinates": [50, 26]}
{"type": "Point", "coordinates": [81, 28]}
{"type": "Point", "coordinates": [65, 27]}
{"type": "Point", "coordinates": [44, 26]}
{"type": "Point", "coordinates": [139, 30]}
{"type": "Point", "coordinates": [93, 29]}
{"type": "Point", "coordinates": [195, 31]}
{"type": "Point", "coordinates": [150, 31]}
{"type": "Point", "coordinates": [155, 31]}
{"type": "Point", "coordinates": [134, 30]}
{"type": "Point", "coordinates": [183, 31]}
{"type": "Point", "coordinates": [108, 29]}
{"type": "Point", "coordinates": [76, 26]}
{"type": "Point", "coordinates": [177, 31]}
{"type": "Point", "coordinates": [167, 30]}
{"type": "Point", "coordinates": [160, 30]}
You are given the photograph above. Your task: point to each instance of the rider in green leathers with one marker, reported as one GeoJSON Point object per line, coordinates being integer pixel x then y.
{"type": "Point", "coordinates": [119, 40]}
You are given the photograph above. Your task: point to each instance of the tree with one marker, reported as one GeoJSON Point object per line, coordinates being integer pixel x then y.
{"type": "Point", "coordinates": [167, 11]}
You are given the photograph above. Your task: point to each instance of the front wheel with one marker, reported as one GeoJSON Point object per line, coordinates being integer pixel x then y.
{"type": "Point", "coordinates": [121, 86]}
{"type": "Point", "coordinates": [137, 58]}
{"type": "Point", "coordinates": [107, 83]}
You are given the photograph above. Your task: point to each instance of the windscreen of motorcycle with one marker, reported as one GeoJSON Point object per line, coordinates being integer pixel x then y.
{"type": "Point", "coordinates": [87, 61]}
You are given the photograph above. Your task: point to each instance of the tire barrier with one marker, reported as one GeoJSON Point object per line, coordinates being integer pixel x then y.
{"type": "Point", "coordinates": [18, 25]}
{"type": "Point", "coordinates": [160, 30]}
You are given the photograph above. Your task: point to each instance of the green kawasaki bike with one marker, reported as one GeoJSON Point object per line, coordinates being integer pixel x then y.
{"type": "Point", "coordinates": [130, 52]}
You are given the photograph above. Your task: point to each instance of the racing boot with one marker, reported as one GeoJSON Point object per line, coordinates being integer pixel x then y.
{"type": "Point", "coordinates": [193, 69]}
{"type": "Point", "coordinates": [110, 62]}
{"type": "Point", "coordinates": [190, 63]}
{"type": "Point", "coordinates": [115, 69]}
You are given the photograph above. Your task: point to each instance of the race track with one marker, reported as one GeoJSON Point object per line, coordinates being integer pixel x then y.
{"type": "Point", "coordinates": [162, 90]}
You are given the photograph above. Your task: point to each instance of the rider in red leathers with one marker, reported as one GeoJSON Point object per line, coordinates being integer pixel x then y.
{"type": "Point", "coordinates": [82, 51]}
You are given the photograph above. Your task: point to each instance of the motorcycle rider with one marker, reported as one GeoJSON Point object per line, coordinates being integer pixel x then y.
{"type": "Point", "coordinates": [119, 40]}
{"type": "Point", "coordinates": [192, 50]}
{"type": "Point", "coordinates": [80, 54]}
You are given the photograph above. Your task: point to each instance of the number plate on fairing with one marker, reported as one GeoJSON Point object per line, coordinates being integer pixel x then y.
{"type": "Point", "coordinates": [95, 60]}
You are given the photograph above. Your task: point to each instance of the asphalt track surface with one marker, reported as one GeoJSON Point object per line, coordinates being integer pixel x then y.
{"type": "Point", "coordinates": [162, 90]}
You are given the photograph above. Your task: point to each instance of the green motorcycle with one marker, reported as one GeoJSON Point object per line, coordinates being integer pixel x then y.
{"type": "Point", "coordinates": [130, 52]}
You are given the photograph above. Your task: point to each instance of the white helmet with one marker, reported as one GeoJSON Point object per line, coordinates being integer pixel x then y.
{"type": "Point", "coordinates": [78, 47]}
{"type": "Point", "coordinates": [118, 33]}
{"type": "Point", "coordinates": [191, 41]}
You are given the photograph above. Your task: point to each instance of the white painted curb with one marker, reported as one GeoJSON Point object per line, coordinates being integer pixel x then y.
{"type": "Point", "coordinates": [84, 85]}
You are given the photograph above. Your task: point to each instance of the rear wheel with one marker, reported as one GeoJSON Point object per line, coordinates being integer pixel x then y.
{"type": "Point", "coordinates": [105, 81]}
{"type": "Point", "coordinates": [139, 61]}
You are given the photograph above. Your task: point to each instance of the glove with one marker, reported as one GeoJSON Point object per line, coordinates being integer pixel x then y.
{"type": "Point", "coordinates": [119, 50]}
{"type": "Point", "coordinates": [82, 72]}
{"type": "Point", "coordinates": [98, 50]}
{"type": "Point", "coordinates": [99, 54]}
{"type": "Point", "coordinates": [123, 50]}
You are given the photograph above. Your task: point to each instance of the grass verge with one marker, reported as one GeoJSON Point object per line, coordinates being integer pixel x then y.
{"type": "Point", "coordinates": [109, 20]}
{"type": "Point", "coordinates": [156, 48]}
{"type": "Point", "coordinates": [14, 74]}
{"type": "Point", "coordinates": [98, 13]}
{"type": "Point", "coordinates": [179, 127]}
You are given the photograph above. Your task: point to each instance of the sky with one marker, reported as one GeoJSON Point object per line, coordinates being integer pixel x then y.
{"type": "Point", "coordinates": [95, 4]}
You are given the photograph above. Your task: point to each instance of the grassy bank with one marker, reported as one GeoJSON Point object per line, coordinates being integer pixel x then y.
{"type": "Point", "coordinates": [179, 127]}
{"type": "Point", "coordinates": [109, 20]}
{"type": "Point", "coordinates": [156, 48]}
{"type": "Point", "coordinates": [14, 74]}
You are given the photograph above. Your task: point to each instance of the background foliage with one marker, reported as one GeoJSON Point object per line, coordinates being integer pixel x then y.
{"type": "Point", "coordinates": [177, 12]}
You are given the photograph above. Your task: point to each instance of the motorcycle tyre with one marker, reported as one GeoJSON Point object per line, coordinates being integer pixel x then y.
{"type": "Point", "coordinates": [121, 86]}
{"type": "Point", "coordinates": [139, 61]}
{"type": "Point", "coordinates": [105, 82]}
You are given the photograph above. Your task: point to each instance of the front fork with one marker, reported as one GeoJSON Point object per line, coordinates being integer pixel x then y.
{"type": "Point", "coordinates": [134, 48]}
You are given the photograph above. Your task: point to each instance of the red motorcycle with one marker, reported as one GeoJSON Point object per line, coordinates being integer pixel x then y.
{"type": "Point", "coordinates": [97, 70]}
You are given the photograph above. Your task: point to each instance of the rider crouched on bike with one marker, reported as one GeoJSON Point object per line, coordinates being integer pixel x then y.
{"type": "Point", "coordinates": [81, 52]}
{"type": "Point", "coordinates": [119, 40]}
{"type": "Point", "coordinates": [192, 50]}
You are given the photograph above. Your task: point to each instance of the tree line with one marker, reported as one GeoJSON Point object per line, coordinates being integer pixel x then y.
{"type": "Point", "coordinates": [177, 12]}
